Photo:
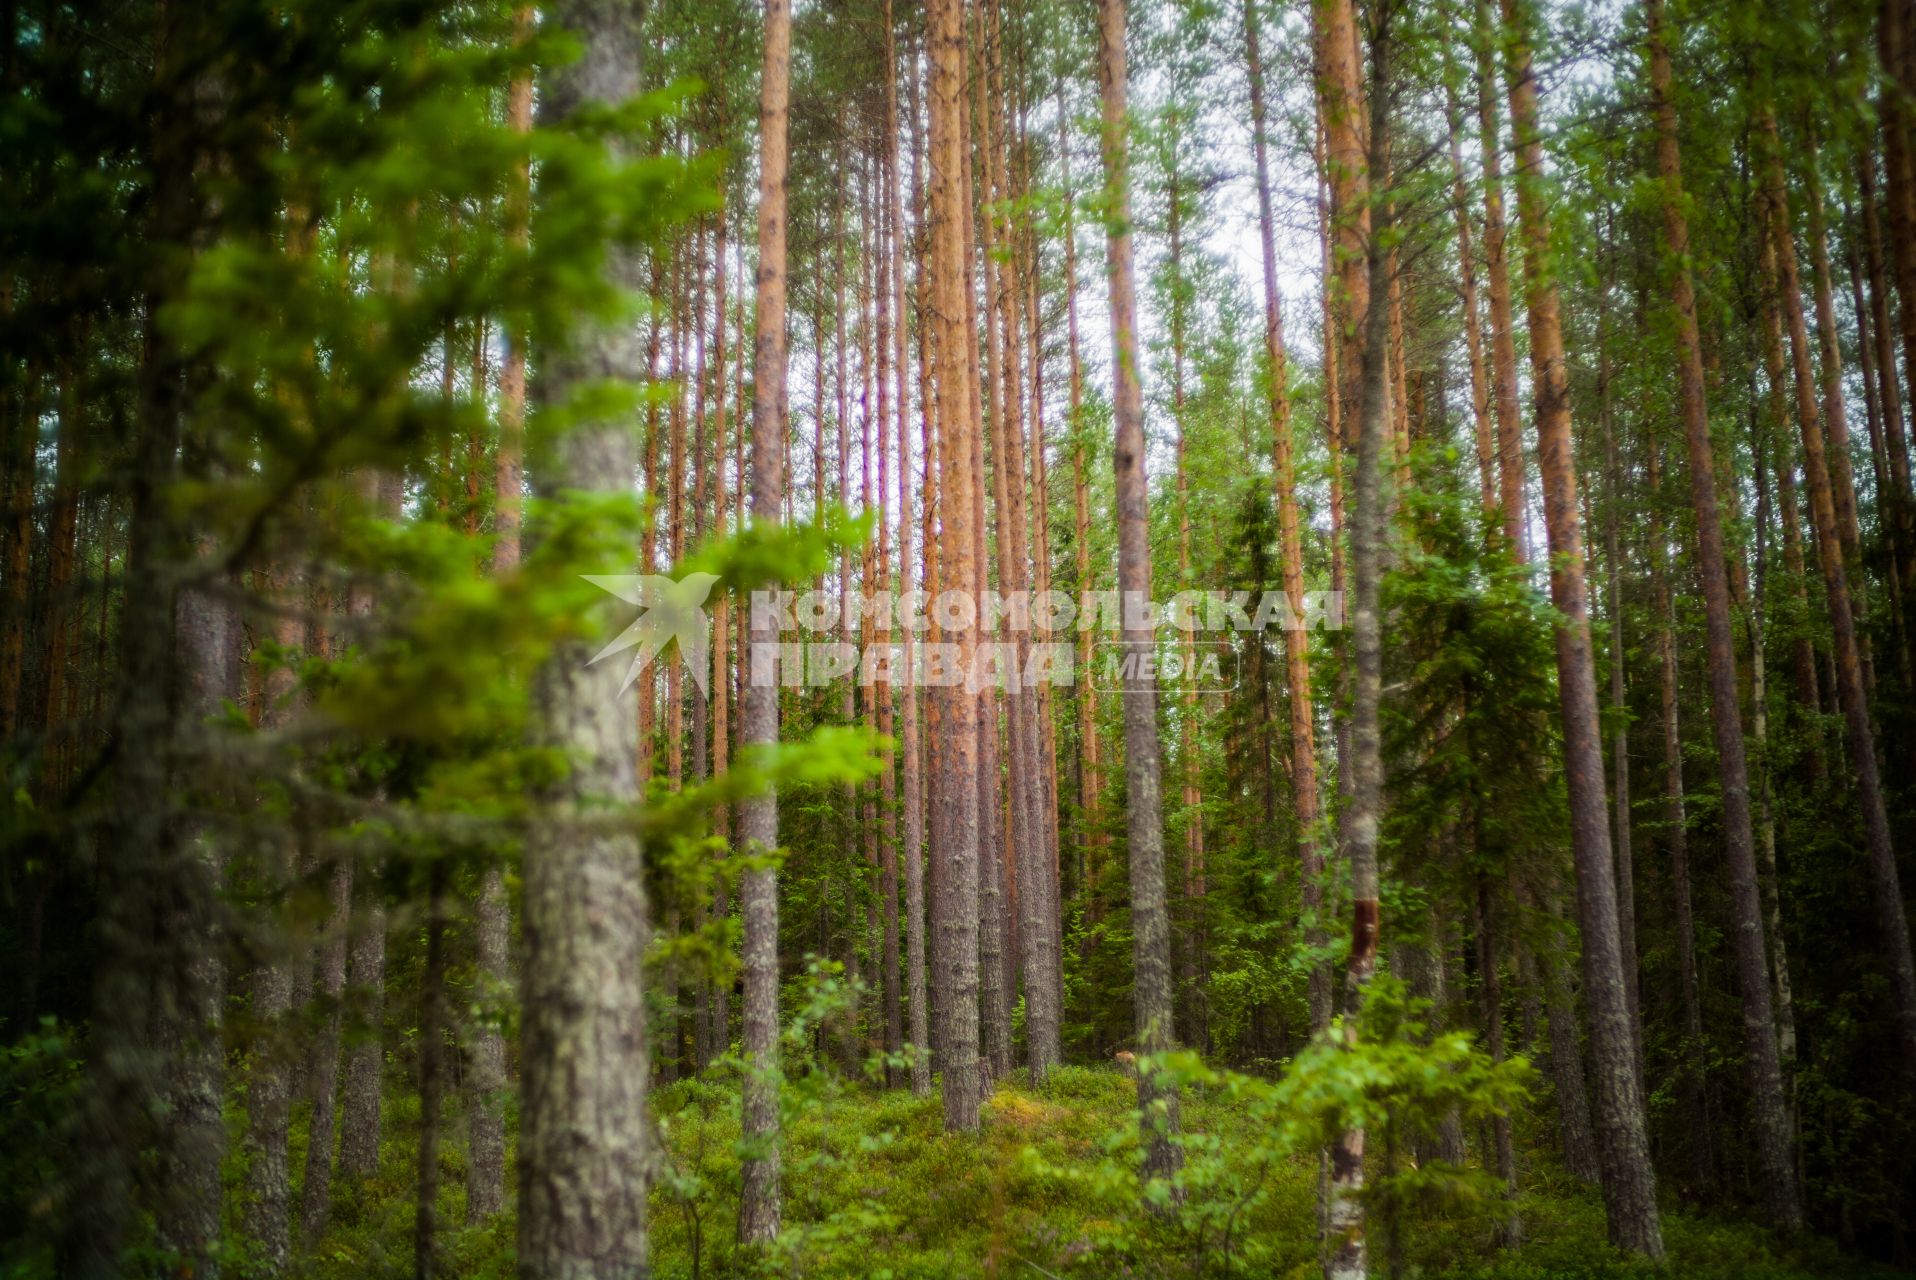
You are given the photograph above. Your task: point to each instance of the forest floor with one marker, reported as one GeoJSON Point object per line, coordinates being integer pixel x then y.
{"type": "Point", "coordinates": [875, 1188]}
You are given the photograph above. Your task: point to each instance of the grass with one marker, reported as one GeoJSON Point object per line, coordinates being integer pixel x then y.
{"type": "Point", "coordinates": [875, 1189]}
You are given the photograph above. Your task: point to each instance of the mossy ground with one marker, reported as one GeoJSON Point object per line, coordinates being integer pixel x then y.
{"type": "Point", "coordinates": [874, 1188]}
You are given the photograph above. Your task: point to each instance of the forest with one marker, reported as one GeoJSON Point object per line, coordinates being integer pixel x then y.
{"type": "Point", "coordinates": [957, 638]}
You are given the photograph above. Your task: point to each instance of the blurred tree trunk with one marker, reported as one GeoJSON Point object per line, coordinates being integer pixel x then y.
{"type": "Point", "coordinates": [582, 1136]}
{"type": "Point", "coordinates": [492, 932]}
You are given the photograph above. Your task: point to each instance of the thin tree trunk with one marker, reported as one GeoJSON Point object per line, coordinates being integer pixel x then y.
{"type": "Point", "coordinates": [1091, 837]}
{"type": "Point", "coordinates": [891, 359]}
{"type": "Point", "coordinates": [1693, 1053]}
{"type": "Point", "coordinates": [1484, 431]}
{"type": "Point", "coordinates": [1038, 939]}
{"type": "Point", "coordinates": [1900, 184]}
{"type": "Point", "coordinates": [670, 1055]}
{"type": "Point", "coordinates": [16, 553]}
{"type": "Point", "coordinates": [63, 526]}
{"type": "Point", "coordinates": [315, 1194]}
{"type": "Point", "coordinates": [1768, 1112]}
{"type": "Point", "coordinates": [432, 1079]}
{"type": "Point", "coordinates": [1619, 703]}
{"type": "Point", "coordinates": [1902, 515]}
{"type": "Point", "coordinates": [913, 780]}
{"type": "Point", "coordinates": [996, 961]}
{"type": "Point", "coordinates": [759, 1198]}
{"type": "Point", "coordinates": [1371, 499]}
{"type": "Point", "coordinates": [360, 1092]}
{"type": "Point", "coordinates": [1765, 817]}
{"type": "Point", "coordinates": [1503, 331]}
{"type": "Point", "coordinates": [1629, 1185]}
{"type": "Point", "coordinates": [1776, 370]}
{"type": "Point", "coordinates": [1860, 736]}
{"type": "Point", "coordinates": [1144, 815]}
{"type": "Point", "coordinates": [275, 995]}
{"type": "Point", "coordinates": [1836, 414]}
{"type": "Point", "coordinates": [1566, 1071]}
{"type": "Point", "coordinates": [1191, 930]}
{"type": "Point", "coordinates": [1491, 996]}
{"type": "Point", "coordinates": [486, 1174]}
{"type": "Point", "coordinates": [1876, 394]}
{"type": "Point", "coordinates": [1297, 649]}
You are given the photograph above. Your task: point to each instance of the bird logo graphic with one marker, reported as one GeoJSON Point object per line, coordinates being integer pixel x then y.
{"type": "Point", "coordinates": [670, 608]}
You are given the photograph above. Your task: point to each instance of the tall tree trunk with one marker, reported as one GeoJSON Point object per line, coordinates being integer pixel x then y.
{"type": "Point", "coordinates": [432, 1078]}
{"type": "Point", "coordinates": [1693, 1054]}
{"type": "Point", "coordinates": [190, 985]}
{"type": "Point", "coordinates": [1629, 1185]}
{"type": "Point", "coordinates": [1619, 703]}
{"type": "Point", "coordinates": [315, 1193]}
{"type": "Point", "coordinates": [897, 701]}
{"type": "Point", "coordinates": [913, 780]}
{"type": "Point", "coordinates": [1876, 394]}
{"type": "Point", "coordinates": [1781, 455]}
{"type": "Point", "coordinates": [670, 1055]}
{"type": "Point", "coordinates": [759, 1199]}
{"type": "Point", "coordinates": [63, 527]}
{"type": "Point", "coordinates": [1860, 736]}
{"type": "Point", "coordinates": [1297, 650]}
{"type": "Point", "coordinates": [1503, 330]}
{"type": "Point", "coordinates": [1765, 816]}
{"type": "Point", "coordinates": [1490, 993]}
{"type": "Point", "coordinates": [1768, 1112]}
{"type": "Point", "coordinates": [996, 958]}
{"type": "Point", "coordinates": [720, 1031]}
{"type": "Point", "coordinates": [955, 858]}
{"type": "Point", "coordinates": [1371, 499]}
{"type": "Point", "coordinates": [1900, 182]}
{"type": "Point", "coordinates": [1038, 939]}
{"type": "Point", "coordinates": [582, 1135]}
{"type": "Point", "coordinates": [1574, 1131]}
{"type": "Point", "coordinates": [1483, 430]}
{"type": "Point", "coordinates": [1835, 413]}
{"type": "Point", "coordinates": [1191, 930]}
{"type": "Point", "coordinates": [137, 840]}
{"type": "Point", "coordinates": [1902, 515]}
{"type": "Point", "coordinates": [22, 438]}
{"type": "Point", "coordinates": [492, 933]}
{"type": "Point", "coordinates": [1091, 837]}
{"type": "Point", "coordinates": [360, 1130]}
{"type": "Point", "coordinates": [275, 993]}
{"type": "Point", "coordinates": [1144, 813]}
